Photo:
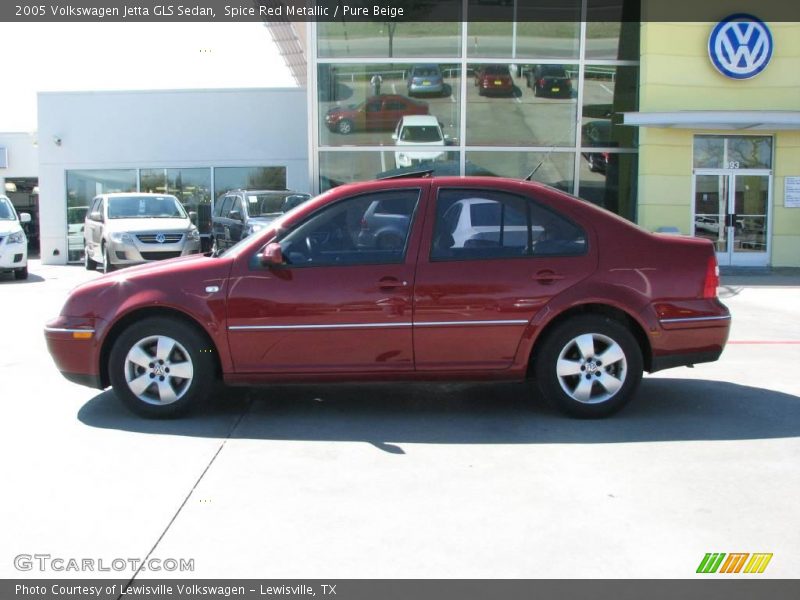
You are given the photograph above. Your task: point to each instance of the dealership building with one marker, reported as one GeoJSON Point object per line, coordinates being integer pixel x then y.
{"type": "Point", "coordinates": [681, 127]}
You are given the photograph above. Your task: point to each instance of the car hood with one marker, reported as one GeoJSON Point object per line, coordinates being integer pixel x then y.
{"type": "Point", "coordinates": [8, 227]}
{"type": "Point", "coordinates": [138, 224]}
{"type": "Point", "coordinates": [436, 143]}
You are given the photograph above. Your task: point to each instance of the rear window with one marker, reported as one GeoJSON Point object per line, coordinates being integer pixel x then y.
{"type": "Point", "coordinates": [496, 70]}
{"type": "Point", "coordinates": [425, 72]}
{"type": "Point", "coordinates": [421, 133]}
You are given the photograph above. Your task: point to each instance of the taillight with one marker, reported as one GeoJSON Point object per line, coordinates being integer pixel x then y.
{"type": "Point", "coordinates": [712, 278]}
{"type": "Point", "coordinates": [541, 81]}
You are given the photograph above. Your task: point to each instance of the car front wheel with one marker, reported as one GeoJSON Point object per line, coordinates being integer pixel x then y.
{"type": "Point", "coordinates": [161, 368]}
{"type": "Point", "coordinates": [345, 127]}
{"type": "Point", "coordinates": [87, 260]}
{"type": "Point", "coordinates": [589, 366]}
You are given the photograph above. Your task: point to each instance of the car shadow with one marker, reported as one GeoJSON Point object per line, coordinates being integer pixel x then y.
{"type": "Point", "coordinates": [385, 415]}
{"type": "Point", "coordinates": [9, 278]}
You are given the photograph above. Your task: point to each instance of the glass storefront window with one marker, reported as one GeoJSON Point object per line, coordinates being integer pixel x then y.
{"type": "Point", "coordinates": [82, 187]}
{"type": "Point", "coordinates": [521, 104]}
{"type": "Point", "coordinates": [394, 39]}
{"type": "Point", "coordinates": [732, 152]}
{"type": "Point", "coordinates": [552, 168]}
{"type": "Point", "coordinates": [248, 178]}
{"type": "Point", "coordinates": [191, 186]}
{"type": "Point", "coordinates": [541, 40]}
{"type": "Point", "coordinates": [337, 168]}
{"type": "Point", "coordinates": [607, 92]}
{"type": "Point", "coordinates": [360, 105]}
{"type": "Point", "coordinates": [608, 179]}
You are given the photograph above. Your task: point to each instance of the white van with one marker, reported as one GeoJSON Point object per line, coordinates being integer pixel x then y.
{"type": "Point", "coordinates": [13, 241]}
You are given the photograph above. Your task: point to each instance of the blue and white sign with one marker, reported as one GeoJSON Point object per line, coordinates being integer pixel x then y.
{"type": "Point", "coordinates": [740, 46]}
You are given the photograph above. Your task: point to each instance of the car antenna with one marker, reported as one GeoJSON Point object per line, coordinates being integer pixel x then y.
{"type": "Point", "coordinates": [541, 162]}
{"type": "Point", "coordinates": [420, 173]}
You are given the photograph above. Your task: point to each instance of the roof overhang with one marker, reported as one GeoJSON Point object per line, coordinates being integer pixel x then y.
{"type": "Point", "coordinates": [723, 120]}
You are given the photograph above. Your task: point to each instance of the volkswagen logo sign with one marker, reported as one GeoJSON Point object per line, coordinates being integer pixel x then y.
{"type": "Point", "coordinates": [160, 238]}
{"type": "Point", "coordinates": [740, 46]}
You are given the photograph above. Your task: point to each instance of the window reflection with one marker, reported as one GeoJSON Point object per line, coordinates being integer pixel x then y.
{"type": "Point", "coordinates": [607, 92]}
{"type": "Point", "coordinates": [361, 105]}
{"type": "Point", "coordinates": [552, 168]}
{"type": "Point", "coordinates": [608, 179]}
{"type": "Point", "coordinates": [391, 39]}
{"type": "Point", "coordinates": [248, 178]}
{"type": "Point", "coordinates": [522, 105]}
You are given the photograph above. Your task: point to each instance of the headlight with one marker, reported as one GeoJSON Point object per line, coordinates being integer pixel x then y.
{"type": "Point", "coordinates": [194, 235]}
{"type": "Point", "coordinates": [402, 158]}
{"type": "Point", "coordinates": [18, 237]}
{"type": "Point", "coordinates": [122, 237]}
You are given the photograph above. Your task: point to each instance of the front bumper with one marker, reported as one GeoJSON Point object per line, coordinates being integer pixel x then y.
{"type": "Point", "coordinates": [137, 252]}
{"type": "Point", "coordinates": [73, 343]}
{"type": "Point", "coordinates": [13, 256]}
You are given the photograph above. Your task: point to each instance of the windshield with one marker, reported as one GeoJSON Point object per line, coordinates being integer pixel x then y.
{"type": "Point", "coordinates": [421, 133]}
{"type": "Point", "coordinates": [259, 205]}
{"type": "Point", "coordinates": [145, 207]}
{"type": "Point", "coordinates": [6, 210]}
{"type": "Point", "coordinates": [425, 72]}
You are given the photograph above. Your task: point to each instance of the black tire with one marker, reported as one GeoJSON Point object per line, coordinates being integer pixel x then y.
{"type": "Point", "coordinates": [88, 263]}
{"type": "Point", "coordinates": [536, 90]}
{"type": "Point", "coordinates": [345, 127]}
{"type": "Point", "coordinates": [191, 346]}
{"type": "Point", "coordinates": [21, 273]}
{"type": "Point", "coordinates": [563, 390]}
{"type": "Point", "coordinates": [107, 266]}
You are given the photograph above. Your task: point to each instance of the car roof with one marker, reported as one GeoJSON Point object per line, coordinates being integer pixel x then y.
{"type": "Point", "coordinates": [420, 120]}
{"type": "Point", "coordinates": [135, 194]}
{"type": "Point", "coordinates": [426, 66]}
{"type": "Point", "coordinates": [261, 192]}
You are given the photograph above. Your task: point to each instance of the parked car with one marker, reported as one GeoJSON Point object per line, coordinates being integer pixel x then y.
{"type": "Point", "coordinates": [376, 113]}
{"type": "Point", "coordinates": [240, 213]}
{"type": "Point", "coordinates": [13, 241]}
{"type": "Point", "coordinates": [425, 79]}
{"type": "Point", "coordinates": [597, 134]}
{"type": "Point", "coordinates": [586, 304]}
{"type": "Point", "coordinates": [418, 130]}
{"type": "Point", "coordinates": [494, 79]}
{"type": "Point", "coordinates": [76, 216]}
{"type": "Point", "coordinates": [131, 228]}
{"type": "Point", "coordinates": [549, 80]}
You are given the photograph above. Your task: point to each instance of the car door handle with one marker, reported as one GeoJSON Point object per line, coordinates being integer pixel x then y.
{"type": "Point", "coordinates": [391, 283]}
{"type": "Point", "coordinates": [547, 277]}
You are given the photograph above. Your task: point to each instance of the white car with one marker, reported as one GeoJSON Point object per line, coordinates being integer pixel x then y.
{"type": "Point", "coordinates": [418, 130]}
{"type": "Point", "coordinates": [13, 241]}
{"type": "Point", "coordinates": [475, 222]}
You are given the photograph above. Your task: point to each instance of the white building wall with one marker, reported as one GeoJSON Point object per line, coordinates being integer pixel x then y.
{"type": "Point", "coordinates": [23, 156]}
{"type": "Point", "coordinates": [163, 129]}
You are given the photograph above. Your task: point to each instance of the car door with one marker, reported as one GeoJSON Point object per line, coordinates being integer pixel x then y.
{"type": "Point", "coordinates": [93, 229]}
{"type": "Point", "coordinates": [373, 114]}
{"type": "Point", "coordinates": [393, 110]}
{"type": "Point", "coordinates": [338, 304]}
{"type": "Point", "coordinates": [474, 299]}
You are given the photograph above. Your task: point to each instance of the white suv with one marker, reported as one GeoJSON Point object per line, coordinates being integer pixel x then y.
{"type": "Point", "coordinates": [418, 130]}
{"type": "Point", "coordinates": [13, 242]}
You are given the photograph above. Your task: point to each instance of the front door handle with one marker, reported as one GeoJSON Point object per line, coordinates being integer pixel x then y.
{"type": "Point", "coordinates": [391, 283]}
{"type": "Point", "coordinates": [546, 277]}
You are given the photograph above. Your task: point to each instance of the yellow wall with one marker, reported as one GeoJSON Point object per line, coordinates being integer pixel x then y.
{"type": "Point", "coordinates": [677, 74]}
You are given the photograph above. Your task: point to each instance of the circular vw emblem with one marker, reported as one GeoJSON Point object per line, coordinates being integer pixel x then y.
{"type": "Point", "coordinates": [160, 238]}
{"type": "Point", "coordinates": [740, 46]}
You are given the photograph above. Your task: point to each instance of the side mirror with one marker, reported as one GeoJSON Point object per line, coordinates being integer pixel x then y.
{"type": "Point", "coordinates": [193, 217]}
{"type": "Point", "coordinates": [96, 216]}
{"type": "Point", "coordinates": [24, 218]}
{"type": "Point", "coordinates": [235, 215]}
{"type": "Point", "coordinates": [272, 255]}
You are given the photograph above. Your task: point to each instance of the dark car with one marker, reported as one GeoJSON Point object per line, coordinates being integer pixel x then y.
{"type": "Point", "coordinates": [494, 79]}
{"type": "Point", "coordinates": [549, 80]}
{"type": "Point", "coordinates": [578, 299]}
{"type": "Point", "coordinates": [377, 113]}
{"type": "Point", "coordinates": [597, 134]}
{"type": "Point", "coordinates": [240, 213]}
{"type": "Point", "coordinates": [425, 79]}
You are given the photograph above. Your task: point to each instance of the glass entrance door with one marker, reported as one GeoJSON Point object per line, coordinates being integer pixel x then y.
{"type": "Point", "coordinates": [731, 208]}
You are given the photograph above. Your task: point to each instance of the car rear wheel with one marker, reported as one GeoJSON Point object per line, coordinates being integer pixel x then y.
{"type": "Point", "coordinates": [345, 126]}
{"type": "Point", "coordinates": [161, 368]}
{"type": "Point", "coordinates": [589, 366]}
{"type": "Point", "coordinates": [21, 273]}
{"type": "Point", "coordinates": [87, 261]}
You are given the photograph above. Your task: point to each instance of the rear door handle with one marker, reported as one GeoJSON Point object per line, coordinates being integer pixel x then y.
{"type": "Point", "coordinates": [547, 277]}
{"type": "Point", "coordinates": [391, 283]}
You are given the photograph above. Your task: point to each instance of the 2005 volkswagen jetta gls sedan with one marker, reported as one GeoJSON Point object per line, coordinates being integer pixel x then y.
{"type": "Point", "coordinates": [539, 285]}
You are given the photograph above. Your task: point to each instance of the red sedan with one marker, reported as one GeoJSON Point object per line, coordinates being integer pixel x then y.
{"type": "Point", "coordinates": [377, 113]}
{"type": "Point", "coordinates": [472, 278]}
{"type": "Point", "coordinates": [494, 79]}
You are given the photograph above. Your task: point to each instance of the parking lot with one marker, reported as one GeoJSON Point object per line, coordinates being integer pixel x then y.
{"type": "Point", "coordinates": [409, 481]}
